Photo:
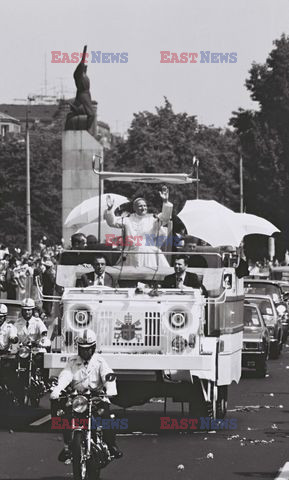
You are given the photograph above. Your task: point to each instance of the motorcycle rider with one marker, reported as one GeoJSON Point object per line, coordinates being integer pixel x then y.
{"type": "Point", "coordinates": [8, 332]}
{"type": "Point", "coordinates": [87, 370]}
{"type": "Point", "coordinates": [30, 329]}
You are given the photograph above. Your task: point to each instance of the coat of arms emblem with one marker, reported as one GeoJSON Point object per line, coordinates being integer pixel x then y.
{"type": "Point", "coordinates": [128, 330]}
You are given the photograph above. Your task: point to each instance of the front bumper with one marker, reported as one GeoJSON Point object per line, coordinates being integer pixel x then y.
{"type": "Point", "coordinates": [252, 359]}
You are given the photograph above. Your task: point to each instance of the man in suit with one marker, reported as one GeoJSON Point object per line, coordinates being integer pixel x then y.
{"type": "Point", "coordinates": [99, 277]}
{"type": "Point", "coordinates": [181, 278]}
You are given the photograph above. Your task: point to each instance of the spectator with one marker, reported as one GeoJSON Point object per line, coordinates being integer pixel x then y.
{"type": "Point", "coordinates": [48, 283]}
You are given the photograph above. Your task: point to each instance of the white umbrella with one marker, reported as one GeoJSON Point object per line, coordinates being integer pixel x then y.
{"type": "Point", "coordinates": [218, 225]}
{"type": "Point", "coordinates": [92, 229]}
{"type": "Point", "coordinates": [253, 224]}
{"type": "Point", "coordinates": [87, 211]}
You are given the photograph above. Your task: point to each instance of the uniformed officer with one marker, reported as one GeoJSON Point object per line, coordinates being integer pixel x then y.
{"type": "Point", "coordinates": [30, 328]}
{"type": "Point", "coordinates": [8, 332]}
{"type": "Point", "coordinates": [87, 370]}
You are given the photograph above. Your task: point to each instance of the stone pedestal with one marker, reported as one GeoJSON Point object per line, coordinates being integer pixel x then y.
{"type": "Point", "coordinates": [78, 180]}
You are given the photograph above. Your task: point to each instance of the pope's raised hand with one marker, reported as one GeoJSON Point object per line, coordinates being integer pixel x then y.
{"type": "Point", "coordinates": [164, 194]}
{"type": "Point", "coordinates": [109, 202]}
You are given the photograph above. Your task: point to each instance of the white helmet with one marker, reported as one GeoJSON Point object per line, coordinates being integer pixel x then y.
{"type": "Point", "coordinates": [86, 339]}
{"type": "Point", "coordinates": [28, 304]}
{"type": "Point", "coordinates": [3, 310]}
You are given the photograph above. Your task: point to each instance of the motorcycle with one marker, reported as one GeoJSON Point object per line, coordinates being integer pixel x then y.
{"type": "Point", "coordinates": [89, 451]}
{"type": "Point", "coordinates": [33, 382]}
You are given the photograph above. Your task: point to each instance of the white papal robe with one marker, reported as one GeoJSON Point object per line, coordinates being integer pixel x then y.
{"type": "Point", "coordinates": [147, 228]}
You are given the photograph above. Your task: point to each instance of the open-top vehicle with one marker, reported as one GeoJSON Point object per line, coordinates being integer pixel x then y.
{"type": "Point", "coordinates": [160, 342]}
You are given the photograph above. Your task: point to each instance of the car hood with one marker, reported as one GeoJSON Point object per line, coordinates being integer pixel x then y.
{"type": "Point", "coordinates": [252, 334]}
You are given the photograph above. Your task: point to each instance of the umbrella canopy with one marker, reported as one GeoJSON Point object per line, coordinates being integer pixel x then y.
{"type": "Point", "coordinates": [92, 229]}
{"type": "Point", "coordinates": [87, 211]}
{"type": "Point", "coordinates": [218, 225]}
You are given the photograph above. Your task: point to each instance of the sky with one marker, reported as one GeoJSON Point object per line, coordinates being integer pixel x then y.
{"type": "Point", "coordinates": [30, 30]}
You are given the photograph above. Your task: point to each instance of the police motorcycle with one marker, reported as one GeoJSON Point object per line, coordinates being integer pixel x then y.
{"type": "Point", "coordinates": [8, 338]}
{"type": "Point", "coordinates": [89, 451]}
{"type": "Point", "coordinates": [30, 372]}
{"type": "Point", "coordinates": [32, 378]}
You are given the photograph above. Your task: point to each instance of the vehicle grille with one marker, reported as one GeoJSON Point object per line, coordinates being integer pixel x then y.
{"type": "Point", "coordinates": [152, 329]}
{"type": "Point", "coordinates": [250, 346]}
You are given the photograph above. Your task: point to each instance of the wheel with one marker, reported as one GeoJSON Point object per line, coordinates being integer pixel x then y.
{"type": "Point", "coordinates": [93, 470]}
{"type": "Point", "coordinates": [274, 351]}
{"type": "Point", "coordinates": [83, 469]}
{"type": "Point", "coordinates": [35, 402]}
{"type": "Point", "coordinates": [261, 368]}
{"type": "Point", "coordinates": [78, 460]}
{"type": "Point", "coordinates": [222, 402]}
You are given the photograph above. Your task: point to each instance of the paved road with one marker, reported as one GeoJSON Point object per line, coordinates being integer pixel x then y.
{"type": "Point", "coordinates": [256, 449]}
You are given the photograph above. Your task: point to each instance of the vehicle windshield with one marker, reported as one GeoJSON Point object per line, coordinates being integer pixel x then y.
{"type": "Point", "coordinates": [263, 288]}
{"type": "Point", "coordinates": [149, 268]}
{"type": "Point", "coordinates": [251, 317]}
{"type": "Point", "coordinates": [264, 305]}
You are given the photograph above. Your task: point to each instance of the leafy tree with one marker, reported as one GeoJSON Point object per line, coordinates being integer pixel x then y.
{"type": "Point", "coordinates": [166, 142]}
{"type": "Point", "coordinates": [264, 139]}
{"type": "Point", "coordinates": [46, 204]}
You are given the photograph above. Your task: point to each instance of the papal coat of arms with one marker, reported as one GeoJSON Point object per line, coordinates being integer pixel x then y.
{"type": "Point", "coordinates": [128, 330]}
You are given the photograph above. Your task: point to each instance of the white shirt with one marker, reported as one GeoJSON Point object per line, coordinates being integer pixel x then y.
{"type": "Point", "coordinates": [84, 376]}
{"type": "Point", "coordinates": [98, 280]}
{"type": "Point", "coordinates": [31, 333]}
{"type": "Point", "coordinates": [7, 334]}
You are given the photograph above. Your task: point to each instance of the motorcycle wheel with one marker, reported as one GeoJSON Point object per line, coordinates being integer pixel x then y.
{"type": "Point", "coordinates": [34, 402]}
{"type": "Point", "coordinates": [82, 469]}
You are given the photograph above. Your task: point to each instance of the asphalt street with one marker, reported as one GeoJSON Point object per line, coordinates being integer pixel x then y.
{"type": "Point", "coordinates": [258, 448]}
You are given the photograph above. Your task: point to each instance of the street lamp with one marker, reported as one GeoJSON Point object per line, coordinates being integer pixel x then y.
{"type": "Point", "coordinates": [196, 165]}
{"type": "Point", "coordinates": [28, 202]}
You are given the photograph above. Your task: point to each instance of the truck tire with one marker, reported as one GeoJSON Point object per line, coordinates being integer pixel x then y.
{"type": "Point", "coordinates": [222, 400]}
{"type": "Point", "coordinates": [274, 351]}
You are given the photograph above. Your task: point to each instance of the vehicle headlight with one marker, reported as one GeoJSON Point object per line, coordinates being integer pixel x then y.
{"type": "Point", "coordinates": [81, 317]}
{"type": "Point", "coordinates": [178, 319]}
{"type": "Point", "coordinates": [281, 309]}
{"type": "Point", "coordinates": [179, 344]}
{"type": "Point", "coordinates": [24, 352]}
{"type": "Point", "coordinates": [79, 404]}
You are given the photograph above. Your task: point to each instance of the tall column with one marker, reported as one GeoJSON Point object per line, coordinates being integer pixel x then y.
{"type": "Point", "coordinates": [78, 180]}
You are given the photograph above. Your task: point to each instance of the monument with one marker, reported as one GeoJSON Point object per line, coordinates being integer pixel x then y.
{"type": "Point", "coordinates": [78, 147]}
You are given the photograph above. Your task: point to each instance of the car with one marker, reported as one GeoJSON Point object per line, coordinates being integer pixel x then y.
{"type": "Point", "coordinates": [272, 321]}
{"type": "Point", "coordinates": [256, 339]}
{"type": "Point", "coordinates": [272, 288]}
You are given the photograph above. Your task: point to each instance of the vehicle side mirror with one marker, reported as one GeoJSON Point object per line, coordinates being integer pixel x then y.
{"type": "Point", "coordinates": [110, 377]}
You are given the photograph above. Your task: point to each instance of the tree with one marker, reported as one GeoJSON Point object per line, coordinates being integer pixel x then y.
{"type": "Point", "coordinates": [165, 142]}
{"type": "Point", "coordinates": [264, 139]}
{"type": "Point", "coordinates": [46, 196]}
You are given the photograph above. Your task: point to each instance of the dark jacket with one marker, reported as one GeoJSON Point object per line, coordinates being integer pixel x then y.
{"type": "Point", "coordinates": [87, 280]}
{"type": "Point", "coordinates": [191, 280]}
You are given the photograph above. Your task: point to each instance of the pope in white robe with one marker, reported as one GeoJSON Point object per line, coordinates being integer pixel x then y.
{"type": "Point", "coordinates": [141, 230]}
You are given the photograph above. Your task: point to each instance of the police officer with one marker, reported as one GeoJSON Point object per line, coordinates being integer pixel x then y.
{"type": "Point", "coordinates": [8, 332]}
{"type": "Point", "coordinates": [30, 328]}
{"type": "Point", "coordinates": [87, 370]}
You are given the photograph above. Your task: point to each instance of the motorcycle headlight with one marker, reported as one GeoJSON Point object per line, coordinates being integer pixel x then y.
{"type": "Point", "coordinates": [79, 404]}
{"type": "Point", "coordinates": [178, 319]}
{"type": "Point", "coordinates": [81, 317]}
{"type": "Point", "coordinates": [24, 352]}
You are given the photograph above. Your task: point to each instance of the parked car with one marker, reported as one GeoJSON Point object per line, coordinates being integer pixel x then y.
{"type": "Point", "coordinates": [256, 340]}
{"type": "Point", "coordinates": [272, 321]}
{"type": "Point", "coordinates": [272, 288]}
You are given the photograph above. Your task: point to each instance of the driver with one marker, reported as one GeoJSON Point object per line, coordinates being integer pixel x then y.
{"type": "Point", "coordinates": [87, 370]}
{"type": "Point", "coordinates": [8, 332]}
{"type": "Point", "coordinates": [29, 327]}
